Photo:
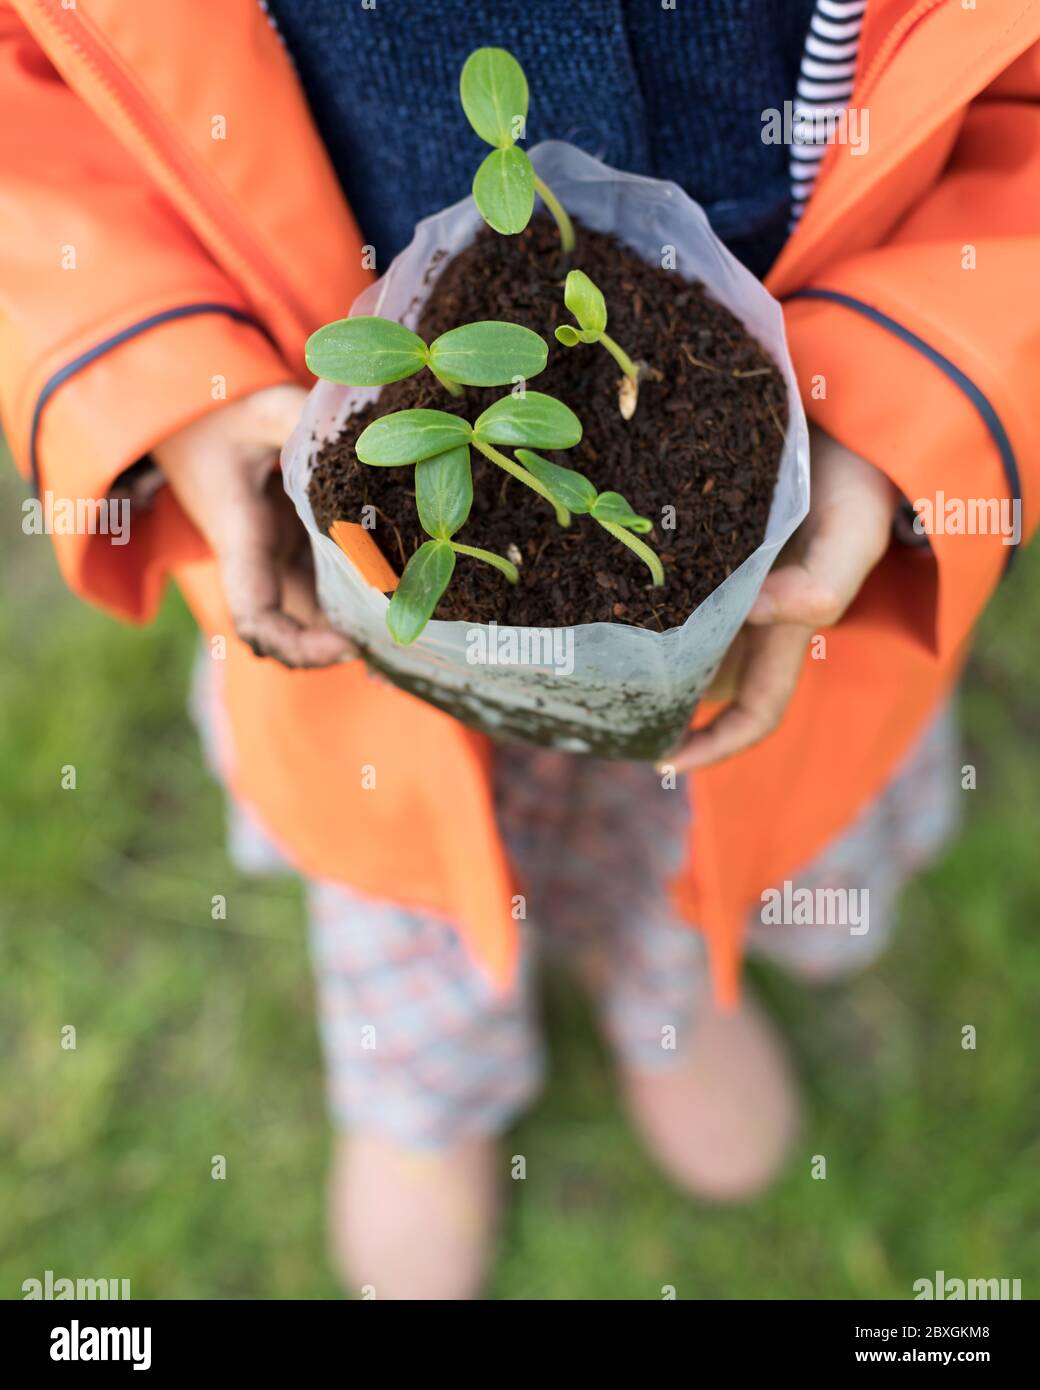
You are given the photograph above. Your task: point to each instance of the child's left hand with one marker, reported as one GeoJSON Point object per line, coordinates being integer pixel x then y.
{"type": "Point", "coordinates": [841, 540]}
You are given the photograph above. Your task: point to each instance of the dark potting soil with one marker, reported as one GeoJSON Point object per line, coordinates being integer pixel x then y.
{"type": "Point", "coordinates": [705, 440]}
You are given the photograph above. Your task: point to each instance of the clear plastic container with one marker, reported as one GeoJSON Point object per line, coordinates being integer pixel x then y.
{"type": "Point", "coordinates": [598, 688]}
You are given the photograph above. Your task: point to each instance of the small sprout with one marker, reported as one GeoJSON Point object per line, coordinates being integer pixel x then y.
{"type": "Point", "coordinates": [586, 303]}
{"type": "Point", "coordinates": [494, 96]}
{"type": "Point", "coordinates": [438, 445]}
{"type": "Point", "coordinates": [372, 351]}
{"type": "Point", "coordinates": [574, 491]}
{"type": "Point", "coordinates": [411, 436]}
{"type": "Point", "coordinates": [443, 498]}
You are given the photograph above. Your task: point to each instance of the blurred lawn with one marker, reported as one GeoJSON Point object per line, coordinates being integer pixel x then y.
{"type": "Point", "coordinates": [196, 1037]}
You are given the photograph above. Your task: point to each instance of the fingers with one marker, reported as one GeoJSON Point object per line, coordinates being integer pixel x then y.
{"type": "Point", "coordinates": [270, 632]}
{"type": "Point", "coordinates": [817, 591]}
{"type": "Point", "coordinates": [726, 680]}
{"type": "Point", "coordinates": [221, 468]}
{"type": "Point", "coordinates": [274, 413]}
{"type": "Point", "coordinates": [774, 658]}
{"type": "Point", "coordinates": [272, 606]}
{"type": "Point", "coordinates": [300, 603]}
{"type": "Point", "coordinates": [845, 535]}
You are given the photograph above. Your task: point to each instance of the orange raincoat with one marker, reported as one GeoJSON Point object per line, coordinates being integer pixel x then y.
{"type": "Point", "coordinates": [169, 220]}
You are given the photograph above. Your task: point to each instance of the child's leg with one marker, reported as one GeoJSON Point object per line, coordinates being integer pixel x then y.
{"type": "Point", "coordinates": [856, 881]}
{"type": "Point", "coordinates": [407, 1223]}
{"type": "Point", "coordinates": [597, 843]}
{"type": "Point", "coordinates": [425, 1067]}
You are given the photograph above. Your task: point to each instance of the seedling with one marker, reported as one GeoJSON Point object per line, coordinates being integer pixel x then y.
{"type": "Point", "coordinates": [574, 491]}
{"type": "Point", "coordinates": [412, 436]}
{"type": "Point", "coordinates": [443, 498]}
{"type": "Point", "coordinates": [585, 301]}
{"type": "Point", "coordinates": [372, 351]}
{"type": "Point", "coordinates": [494, 96]}
{"type": "Point", "coordinates": [438, 444]}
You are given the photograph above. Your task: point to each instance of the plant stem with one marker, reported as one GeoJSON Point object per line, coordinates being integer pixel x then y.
{"type": "Point", "coordinates": [639, 547]}
{"type": "Point", "coordinates": [452, 386]}
{"type": "Point", "coordinates": [506, 566]}
{"type": "Point", "coordinates": [620, 356]}
{"type": "Point", "coordinates": [563, 222]}
{"type": "Point", "coordinates": [563, 516]}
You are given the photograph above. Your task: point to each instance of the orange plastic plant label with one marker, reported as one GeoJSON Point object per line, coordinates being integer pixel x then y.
{"type": "Point", "coordinates": [359, 547]}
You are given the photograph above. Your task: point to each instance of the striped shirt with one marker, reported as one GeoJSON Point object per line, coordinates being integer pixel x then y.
{"type": "Point", "coordinates": [823, 90]}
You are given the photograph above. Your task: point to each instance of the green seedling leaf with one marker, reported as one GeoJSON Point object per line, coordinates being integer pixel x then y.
{"type": "Point", "coordinates": [533, 419]}
{"type": "Point", "coordinates": [493, 89]}
{"type": "Point", "coordinates": [365, 351]}
{"type": "Point", "coordinates": [571, 337]}
{"type": "Point", "coordinates": [488, 353]}
{"type": "Point", "coordinates": [503, 190]}
{"type": "Point", "coordinates": [586, 303]}
{"type": "Point", "coordinates": [571, 488]}
{"type": "Point", "coordinates": [444, 492]}
{"type": "Point", "coordinates": [408, 436]}
{"type": "Point", "coordinates": [612, 507]}
{"type": "Point", "coordinates": [426, 576]}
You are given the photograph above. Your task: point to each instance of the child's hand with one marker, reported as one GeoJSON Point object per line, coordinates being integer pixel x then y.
{"type": "Point", "coordinates": [220, 469]}
{"type": "Point", "coordinates": [841, 540]}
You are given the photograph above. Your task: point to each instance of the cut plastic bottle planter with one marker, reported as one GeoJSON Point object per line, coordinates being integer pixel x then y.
{"type": "Point", "coordinates": [600, 688]}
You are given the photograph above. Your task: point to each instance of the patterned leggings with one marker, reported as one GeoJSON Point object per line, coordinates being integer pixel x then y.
{"type": "Point", "coordinates": [416, 1042]}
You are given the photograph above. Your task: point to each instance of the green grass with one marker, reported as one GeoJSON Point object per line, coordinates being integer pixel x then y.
{"type": "Point", "coordinates": [196, 1037]}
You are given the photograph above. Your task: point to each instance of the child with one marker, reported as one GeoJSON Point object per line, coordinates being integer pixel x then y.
{"type": "Point", "coordinates": [176, 191]}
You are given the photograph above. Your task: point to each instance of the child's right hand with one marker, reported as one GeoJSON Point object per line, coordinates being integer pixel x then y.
{"type": "Point", "coordinates": [220, 469]}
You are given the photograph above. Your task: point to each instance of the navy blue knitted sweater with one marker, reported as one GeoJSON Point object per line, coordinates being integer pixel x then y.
{"type": "Point", "coordinates": [675, 93]}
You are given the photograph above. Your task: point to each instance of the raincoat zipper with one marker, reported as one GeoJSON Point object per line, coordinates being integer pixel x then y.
{"type": "Point", "coordinates": [160, 136]}
{"type": "Point", "coordinates": [890, 45]}
{"type": "Point", "coordinates": [892, 41]}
